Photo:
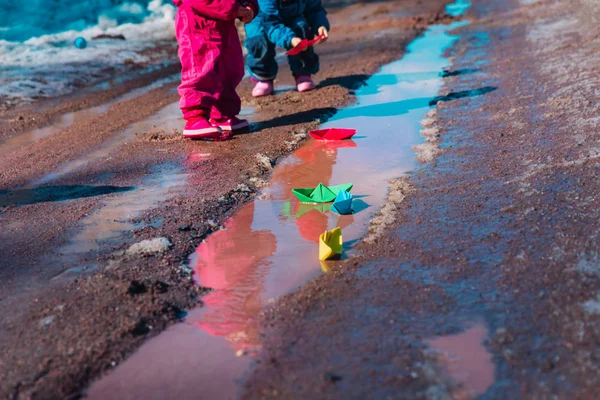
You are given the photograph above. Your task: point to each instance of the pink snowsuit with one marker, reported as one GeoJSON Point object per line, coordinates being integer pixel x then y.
{"type": "Point", "coordinates": [211, 57]}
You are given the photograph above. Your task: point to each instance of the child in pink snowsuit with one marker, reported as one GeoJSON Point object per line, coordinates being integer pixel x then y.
{"type": "Point", "coordinates": [212, 65]}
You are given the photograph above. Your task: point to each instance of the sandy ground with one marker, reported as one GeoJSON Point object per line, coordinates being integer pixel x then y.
{"type": "Point", "coordinates": [485, 281]}
{"type": "Point", "coordinates": [74, 307]}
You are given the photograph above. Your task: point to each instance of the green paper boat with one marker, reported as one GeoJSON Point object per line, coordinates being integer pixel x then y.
{"type": "Point", "coordinates": [303, 208]}
{"type": "Point", "coordinates": [306, 208]}
{"type": "Point", "coordinates": [320, 194]}
{"type": "Point", "coordinates": [286, 210]}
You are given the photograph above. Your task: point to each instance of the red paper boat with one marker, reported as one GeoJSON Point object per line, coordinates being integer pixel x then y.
{"type": "Point", "coordinates": [303, 45]}
{"type": "Point", "coordinates": [332, 134]}
{"type": "Point", "coordinates": [334, 144]}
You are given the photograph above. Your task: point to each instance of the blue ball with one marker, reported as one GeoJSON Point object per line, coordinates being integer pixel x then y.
{"type": "Point", "coordinates": [80, 43]}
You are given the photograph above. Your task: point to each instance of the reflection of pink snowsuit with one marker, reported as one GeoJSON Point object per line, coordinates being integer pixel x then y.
{"type": "Point", "coordinates": [211, 56]}
{"type": "Point", "coordinates": [233, 262]}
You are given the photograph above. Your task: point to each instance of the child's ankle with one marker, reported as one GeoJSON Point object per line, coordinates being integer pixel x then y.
{"type": "Point", "coordinates": [195, 118]}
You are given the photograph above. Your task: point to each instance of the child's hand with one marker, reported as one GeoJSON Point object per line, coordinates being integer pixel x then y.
{"type": "Point", "coordinates": [296, 41]}
{"type": "Point", "coordinates": [245, 14]}
{"type": "Point", "coordinates": [324, 33]}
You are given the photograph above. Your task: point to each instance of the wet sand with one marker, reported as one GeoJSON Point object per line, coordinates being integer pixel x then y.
{"type": "Point", "coordinates": [74, 304]}
{"type": "Point", "coordinates": [485, 285]}
{"type": "Point", "coordinates": [270, 247]}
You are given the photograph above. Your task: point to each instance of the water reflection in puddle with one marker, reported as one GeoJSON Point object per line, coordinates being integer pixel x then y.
{"type": "Point", "coordinates": [466, 360]}
{"type": "Point", "coordinates": [113, 218]}
{"type": "Point", "coordinates": [270, 247]}
{"type": "Point", "coordinates": [165, 120]}
{"type": "Point", "coordinates": [459, 7]}
{"type": "Point", "coordinates": [66, 120]}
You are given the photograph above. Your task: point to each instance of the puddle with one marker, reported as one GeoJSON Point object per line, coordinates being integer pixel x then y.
{"type": "Point", "coordinates": [247, 111]}
{"type": "Point", "coordinates": [113, 218]}
{"type": "Point", "coordinates": [166, 119]}
{"type": "Point", "coordinates": [66, 120]}
{"type": "Point", "coordinates": [270, 247]}
{"type": "Point", "coordinates": [466, 361]}
{"type": "Point", "coordinates": [459, 7]}
{"type": "Point", "coordinates": [279, 89]}
{"type": "Point", "coordinates": [20, 197]}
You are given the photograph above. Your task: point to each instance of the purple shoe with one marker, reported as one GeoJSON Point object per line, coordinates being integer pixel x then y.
{"type": "Point", "coordinates": [230, 124]}
{"type": "Point", "coordinates": [304, 83]}
{"type": "Point", "coordinates": [201, 129]}
{"type": "Point", "coordinates": [262, 88]}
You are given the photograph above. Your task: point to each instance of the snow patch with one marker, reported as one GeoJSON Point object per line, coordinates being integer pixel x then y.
{"type": "Point", "coordinates": [47, 321]}
{"type": "Point", "coordinates": [589, 266]}
{"type": "Point", "coordinates": [258, 182]}
{"type": "Point", "coordinates": [149, 247]}
{"type": "Point", "coordinates": [399, 187]}
{"type": "Point", "coordinates": [592, 307]}
{"type": "Point", "coordinates": [264, 161]}
{"type": "Point", "coordinates": [427, 122]}
{"type": "Point", "coordinates": [428, 151]}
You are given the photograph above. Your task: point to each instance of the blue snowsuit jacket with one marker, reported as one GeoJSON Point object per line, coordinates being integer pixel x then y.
{"type": "Point", "coordinates": [278, 16]}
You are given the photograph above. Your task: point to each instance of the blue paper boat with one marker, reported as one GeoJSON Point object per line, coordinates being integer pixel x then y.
{"type": "Point", "coordinates": [343, 203]}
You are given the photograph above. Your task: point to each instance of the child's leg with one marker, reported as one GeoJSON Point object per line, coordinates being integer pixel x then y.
{"type": "Point", "coordinates": [230, 73]}
{"type": "Point", "coordinates": [199, 52]}
{"type": "Point", "coordinates": [261, 53]}
{"type": "Point", "coordinates": [200, 82]}
{"type": "Point", "coordinates": [307, 62]}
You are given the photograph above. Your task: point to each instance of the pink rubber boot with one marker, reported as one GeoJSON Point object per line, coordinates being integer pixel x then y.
{"type": "Point", "coordinates": [230, 124]}
{"type": "Point", "coordinates": [262, 88]}
{"type": "Point", "coordinates": [304, 83]}
{"type": "Point", "coordinates": [200, 129]}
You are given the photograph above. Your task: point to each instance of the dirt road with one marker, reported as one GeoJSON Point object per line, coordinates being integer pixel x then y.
{"type": "Point", "coordinates": [86, 176]}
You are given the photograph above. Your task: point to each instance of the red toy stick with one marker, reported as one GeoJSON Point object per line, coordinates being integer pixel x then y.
{"type": "Point", "coordinates": [332, 134]}
{"type": "Point", "coordinates": [315, 40]}
{"type": "Point", "coordinates": [303, 45]}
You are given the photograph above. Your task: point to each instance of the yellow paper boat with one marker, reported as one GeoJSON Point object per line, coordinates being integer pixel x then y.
{"type": "Point", "coordinates": [330, 244]}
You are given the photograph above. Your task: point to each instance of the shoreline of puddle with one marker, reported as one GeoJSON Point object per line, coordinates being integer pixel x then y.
{"type": "Point", "coordinates": [269, 247]}
{"type": "Point", "coordinates": [111, 219]}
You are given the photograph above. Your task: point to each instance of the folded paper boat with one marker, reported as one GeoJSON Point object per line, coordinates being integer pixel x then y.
{"type": "Point", "coordinates": [305, 208]}
{"type": "Point", "coordinates": [343, 203]}
{"type": "Point", "coordinates": [320, 194]}
{"type": "Point", "coordinates": [332, 134]}
{"type": "Point", "coordinates": [330, 244]}
{"type": "Point", "coordinates": [334, 144]}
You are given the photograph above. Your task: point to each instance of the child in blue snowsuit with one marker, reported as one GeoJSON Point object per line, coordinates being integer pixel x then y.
{"type": "Point", "coordinates": [284, 23]}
